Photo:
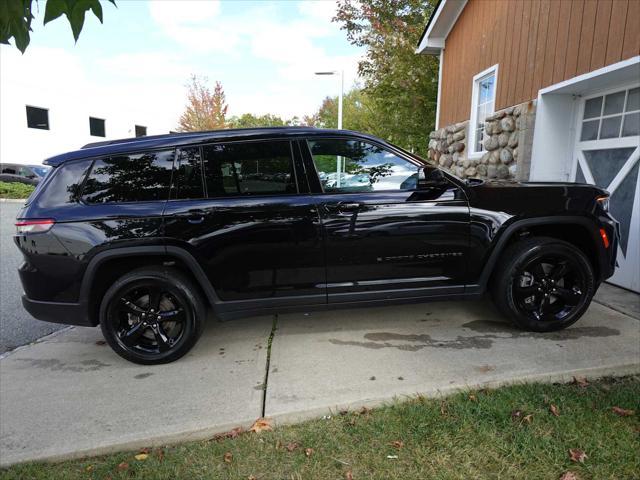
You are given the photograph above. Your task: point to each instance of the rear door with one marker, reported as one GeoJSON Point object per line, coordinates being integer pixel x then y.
{"type": "Point", "coordinates": [244, 211]}
{"type": "Point", "coordinates": [383, 238]}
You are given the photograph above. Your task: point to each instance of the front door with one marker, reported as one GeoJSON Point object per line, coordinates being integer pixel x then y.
{"type": "Point", "coordinates": [607, 153]}
{"type": "Point", "coordinates": [251, 223]}
{"type": "Point", "coordinates": [383, 238]}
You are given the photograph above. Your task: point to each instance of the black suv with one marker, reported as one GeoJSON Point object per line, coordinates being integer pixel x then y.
{"type": "Point", "coordinates": [142, 235]}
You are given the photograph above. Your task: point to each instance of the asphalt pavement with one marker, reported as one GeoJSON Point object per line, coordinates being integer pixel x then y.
{"type": "Point", "coordinates": [17, 327]}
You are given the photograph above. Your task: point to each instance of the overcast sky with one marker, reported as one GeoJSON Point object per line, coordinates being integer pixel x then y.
{"type": "Point", "coordinates": [263, 52]}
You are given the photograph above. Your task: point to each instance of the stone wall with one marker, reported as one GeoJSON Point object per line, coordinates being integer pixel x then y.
{"type": "Point", "coordinates": [507, 144]}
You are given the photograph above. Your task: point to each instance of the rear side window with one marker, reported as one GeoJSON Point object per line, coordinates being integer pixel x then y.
{"type": "Point", "coordinates": [141, 177]}
{"type": "Point", "coordinates": [63, 186]}
{"type": "Point", "coordinates": [188, 181]}
{"type": "Point", "coordinates": [251, 168]}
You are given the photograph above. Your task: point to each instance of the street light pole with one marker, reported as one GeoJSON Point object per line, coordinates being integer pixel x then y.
{"type": "Point", "coordinates": [339, 163]}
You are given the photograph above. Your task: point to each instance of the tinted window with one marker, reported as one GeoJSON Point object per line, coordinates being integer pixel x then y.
{"type": "Point", "coordinates": [64, 185]}
{"type": "Point", "coordinates": [96, 127]}
{"type": "Point", "coordinates": [188, 182]}
{"type": "Point", "coordinates": [255, 168]}
{"type": "Point", "coordinates": [355, 166]}
{"type": "Point", "coordinates": [130, 178]}
{"type": "Point", "coordinates": [37, 118]}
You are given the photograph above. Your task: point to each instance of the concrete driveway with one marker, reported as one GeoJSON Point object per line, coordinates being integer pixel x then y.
{"type": "Point", "coordinates": [70, 396]}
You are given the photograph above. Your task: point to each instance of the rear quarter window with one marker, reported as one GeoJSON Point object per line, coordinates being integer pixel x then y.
{"type": "Point", "coordinates": [62, 184]}
{"type": "Point", "coordinates": [140, 177]}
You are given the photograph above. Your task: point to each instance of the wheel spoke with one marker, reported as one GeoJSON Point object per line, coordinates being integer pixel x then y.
{"type": "Point", "coordinates": [154, 299]}
{"type": "Point", "coordinates": [161, 338]}
{"type": "Point", "coordinates": [131, 336]}
{"type": "Point", "coordinates": [527, 291]}
{"type": "Point", "coordinates": [131, 307]}
{"type": "Point", "coordinates": [171, 315]}
{"type": "Point", "coordinates": [544, 304]}
{"type": "Point", "coordinates": [568, 295]}
{"type": "Point", "coordinates": [538, 271]}
{"type": "Point", "coordinates": [559, 271]}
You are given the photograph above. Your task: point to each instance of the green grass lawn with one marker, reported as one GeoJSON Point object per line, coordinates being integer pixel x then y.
{"type": "Point", "coordinates": [15, 190]}
{"type": "Point", "coordinates": [478, 434]}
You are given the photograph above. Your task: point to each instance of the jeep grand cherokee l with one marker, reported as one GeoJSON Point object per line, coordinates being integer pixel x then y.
{"type": "Point", "coordinates": [143, 235]}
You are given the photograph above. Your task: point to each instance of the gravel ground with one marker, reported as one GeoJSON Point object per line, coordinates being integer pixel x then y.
{"type": "Point", "coordinates": [17, 327]}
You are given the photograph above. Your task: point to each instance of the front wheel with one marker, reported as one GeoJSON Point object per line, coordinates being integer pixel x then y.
{"type": "Point", "coordinates": [543, 284]}
{"type": "Point", "coordinates": [152, 315]}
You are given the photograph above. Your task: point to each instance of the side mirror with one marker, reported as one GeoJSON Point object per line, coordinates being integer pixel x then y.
{"type": "Point", "coordinates": [431, 177]}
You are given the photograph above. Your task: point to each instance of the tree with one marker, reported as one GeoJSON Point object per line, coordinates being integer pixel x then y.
{"type": "Point", "coordinates": [205, 110]}
{"type": "Point", "coordinates": [400, 85]}
{"type": "Point", "coordinates": [248, 120]}
{"type": "Point", "coordinates": [357, 113]}
{"type": "Point", "coordinates": [16, 17]}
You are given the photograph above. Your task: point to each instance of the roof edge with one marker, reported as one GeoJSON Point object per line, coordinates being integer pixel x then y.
{"type": "Point", "coordinates": [442, 20]}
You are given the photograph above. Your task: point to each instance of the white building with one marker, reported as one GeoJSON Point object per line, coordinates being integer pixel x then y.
{"type": "Point", "coordinates": [40, 118]}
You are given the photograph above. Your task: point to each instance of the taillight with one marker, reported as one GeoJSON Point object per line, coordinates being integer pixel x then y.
{"type": "Point", "coordinates": [40, 225]}
{"type": "Point", "coordinates": [605, 238]}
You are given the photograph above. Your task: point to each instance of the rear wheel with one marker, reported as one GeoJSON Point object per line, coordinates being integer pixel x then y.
{"type": "Point", "coordinates": [543, 284]}
{"type": "Point", "coordinates": [152, 315]}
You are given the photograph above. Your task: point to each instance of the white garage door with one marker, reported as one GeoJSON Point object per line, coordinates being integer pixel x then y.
{"type": "Point", "coordinates": [607, 153]}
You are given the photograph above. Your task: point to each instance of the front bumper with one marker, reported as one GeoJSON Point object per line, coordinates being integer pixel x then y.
{"type": "Point", "coordinates": [56, 312]}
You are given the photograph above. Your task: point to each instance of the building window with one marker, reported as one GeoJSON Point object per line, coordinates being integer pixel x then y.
{"type": "Point", "coordinates": [37, 118]}
{"type": "Point", "coordinates": [483, 105]}
{"type": "Point", "coordinates": [614, 115]}
{"type": "Point", "coordinates": [96, 127]}
{"type": "Point", "coordinates": [141, 131]}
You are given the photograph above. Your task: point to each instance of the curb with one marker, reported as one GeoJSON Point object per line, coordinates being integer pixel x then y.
{"type": "Point", "coordinates": [206, 433]}
{"type": "Point", "coordinates": [13, 200]}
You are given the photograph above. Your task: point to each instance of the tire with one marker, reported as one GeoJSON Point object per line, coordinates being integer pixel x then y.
{"type": "Point", "coordinates": [142, 334]}
{"type": "Point", "coordinates": [543, 284]}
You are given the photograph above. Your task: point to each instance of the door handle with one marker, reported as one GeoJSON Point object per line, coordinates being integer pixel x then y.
{"type": "Point", "coordinates": [343, 206]}
{"type": "Point", "coordinates": [193, 216]}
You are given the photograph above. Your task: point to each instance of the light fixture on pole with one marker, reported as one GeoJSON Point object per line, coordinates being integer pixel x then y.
{"type": "Point", "coordinates": [339, 158]}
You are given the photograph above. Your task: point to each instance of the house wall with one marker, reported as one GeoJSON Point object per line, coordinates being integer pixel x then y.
{"type": "Point", "coordinates": [537, 43]}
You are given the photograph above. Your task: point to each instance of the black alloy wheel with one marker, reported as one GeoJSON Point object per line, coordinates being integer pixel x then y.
{"type": "Point", "coordinates": [152, 316]}
{"type": "Point", "coordinates": [548, 288]}
{"type": "Point", "coordinates": [543, 284]}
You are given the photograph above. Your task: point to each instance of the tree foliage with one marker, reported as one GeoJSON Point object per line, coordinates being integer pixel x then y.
{"type": "Point", "coordinates": [357, 113]}
{"type": "Point", "coordinates": [400, 85]}
{"type": "Point", "coordinates": [16, 17]}
{"type": "Point", "coordinates": [206, 110]}
{"type": "Point", "coordinates": [248, 120]}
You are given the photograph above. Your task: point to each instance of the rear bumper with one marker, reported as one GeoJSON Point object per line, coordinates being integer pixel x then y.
{"type": "Point", "coordinates": [56, 312]}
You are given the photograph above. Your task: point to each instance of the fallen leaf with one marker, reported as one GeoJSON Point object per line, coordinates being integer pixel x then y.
{"type": "Point", "coordinates": [516, 414]}
{"type": "Point", "coordinates": [392, 457]}
{"type": "Point", "coordinates": [227, 457]}
{"type": "Point", "coordinates": [252, 477]}
{"type": "Point", "coordinates": [622, 412]}
{"type": "Point", "coordinates": [145, 450]}
{"type": "Point", "coordinates": [443, 408]}
{"type": "Point", "coordinates": [261, 425]}
{"type": "Point", "coordinates": [398, 444]}
{"type": "Point", "coordinates": [101, 342]}
{"type": "Point", "coordinates": [577, 455]}
{"type": "Point", "coordinates": [348, 475]}
{"type": "Point", "coordinates": [581, 382]}
{"type": "Point", "coordinates": [233, 433]}
{"type": "Point", "coordinates": [89, 468]}
{"type": "Point", "coordinates": [123, 466]}
{"type": "Point", "coordinates": [351, 422]}
{"type": "Point", "coordinates": [473, 398]}
{"type": "Point", "coordinates": [141, 456]}
{"type": "Point", "coordinates": [160, 454]}
{"type": "Point", "coordinates": [569, 476]}
{"type": "Point", "coordinates": [344, 412]}
{"type": "Point", "coordinates": [308, 452]}
{"type": "Point", "coordinates": [291, 446]}
{"type": "Point", "coordinates": [528, 418]}
{"type": "Point", "coordinates": [554, 410]}
{"type": "Point", "coordinates": [365, 411]}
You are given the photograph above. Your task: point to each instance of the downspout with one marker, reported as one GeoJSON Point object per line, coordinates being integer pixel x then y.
{"type": "Point", "coordinates": [441, 60]}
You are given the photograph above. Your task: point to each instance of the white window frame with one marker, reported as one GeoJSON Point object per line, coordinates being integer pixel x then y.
{"type": "Point", "coordinates": [493, 70]}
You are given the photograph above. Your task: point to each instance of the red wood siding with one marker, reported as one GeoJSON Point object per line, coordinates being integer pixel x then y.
{"type": "Point", "coordinates": [536, 43]}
